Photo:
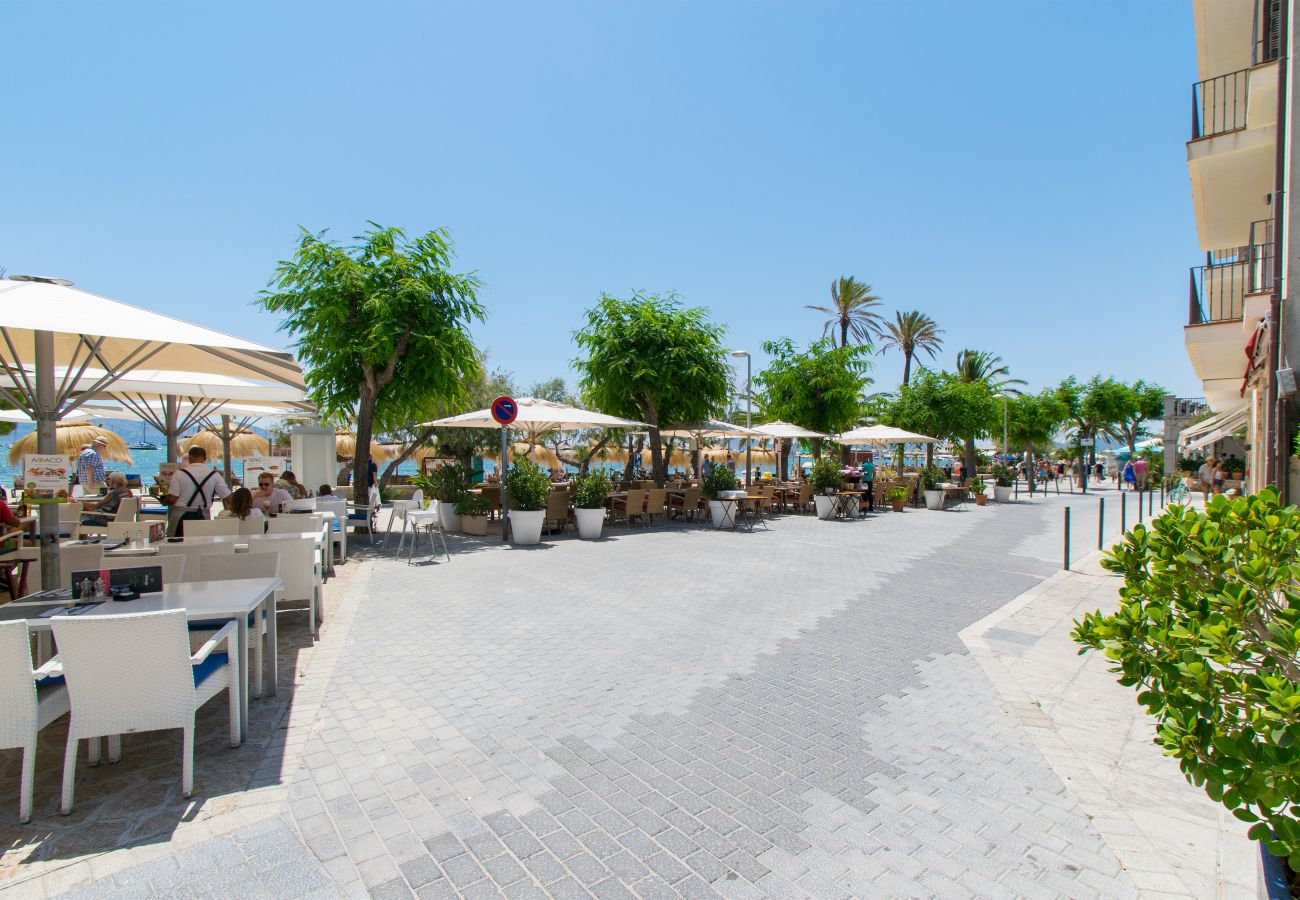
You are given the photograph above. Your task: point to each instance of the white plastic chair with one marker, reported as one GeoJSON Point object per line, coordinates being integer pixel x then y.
{"type": "Point", "coordinates": [127, 531]}
{"type": "Point", "coordinates": [307, 503]}
{"type": "Point", "coordinates": [295, 525]}
{"type": "Point", "coordinates": [400, 509]}
{"type": "Point", "coordinates": [172, 565]}
{"type": "Point", "coordinates": [338, 526]}
{"type": "Point", "coordinates": [228, 567]}
{"type": "Point", "coordinates": [135, 672]}
{"type": "Point", "coordinates": [79, 558]}
{"type": "Point", "coordinates": [253, 525]}
{"type": "Point", "coordinates": [300, 571]}
{"type": "Point", "coordinates": [363, 515]}
{"type": "Point", "coordinates": [25, 708]}
{"type": "Point", "coordinates": [206, 527]}
{"type": "Point", "coordinates": [194, 554]}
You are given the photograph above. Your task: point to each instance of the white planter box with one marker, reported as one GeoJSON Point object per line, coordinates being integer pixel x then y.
{"type": "Point", "coordinates": [526, 525]}
{"type": "Point", "coordinates": [447, 515]}
{"type": "Point", "coordinates": [934, 499]}
{"type": "Point", "coordinates": [825, 505]}
{"type": "Point", "coordinates": [1001, 494]}
{"type": "Point", "coordinates": [590, 522]}
{"type": "Point", "coordinates": [474, 524]}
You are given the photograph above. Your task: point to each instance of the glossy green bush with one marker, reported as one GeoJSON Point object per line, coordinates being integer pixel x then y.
{"type": "Point", "coordinates": [1207, 631]}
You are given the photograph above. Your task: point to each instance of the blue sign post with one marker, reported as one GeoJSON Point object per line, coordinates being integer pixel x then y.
{"type": "Point", "coordinates": [504, 410]}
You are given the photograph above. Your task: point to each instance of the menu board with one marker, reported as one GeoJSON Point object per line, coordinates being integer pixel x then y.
{"type": "Point", "coordinates": [45, 478]}
{"type": "Point", "coordinates": [166, 471]}
{"type": "Point", "coordinates": [256, 465]}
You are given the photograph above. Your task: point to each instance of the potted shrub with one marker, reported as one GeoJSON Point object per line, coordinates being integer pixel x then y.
{"type": "Point", "coordinates": [472, 510]}
{"type": "Point", "coordinates": [897, 497]}
{"type": "Point", "coordinates": [1004, 477]}
{"type": "Point", "coordinates": [528, 487]}
{"type": "Point", "coordinates": [721, 479]}
{"type": "Point", "coordinates": [589, 494]}
{"type": "Point", "coordinates": [931, 478]}
{"type": "Point", "coordinates": [978, 487]}
{"type": "Point", "coordinates": [448, 484]}
{"type": "Point", "coordinates": [825, 479]}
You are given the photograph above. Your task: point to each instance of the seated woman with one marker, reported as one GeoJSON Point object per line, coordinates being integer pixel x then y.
{"type": "Point", "coordinates": [239, 505]}
{"type": "Point", "coordinates": [297, 490]}
{"type": "Point", "coordinates": [106, 509]}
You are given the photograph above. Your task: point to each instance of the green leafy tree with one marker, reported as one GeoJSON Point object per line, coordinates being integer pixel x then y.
{"type": "Point", "coordinates": [382, 324]}
{"type": "Point", "coordinates": [1141, 403]}
{"type": "Point", "coordinates": [911, 333]}
{"type": "Point", "coordinates": [463, 444]}
{"type": "Point", "coordinates": [853, 311]}
{"type": "Point", "coordinates": [820, 388]}
{"type": "Point", "coordinates": [986, 374]}
{"type": "Point", "coordinates": [1096, 407]}
{"type": "Point", "coordinates": [651, 359]}
{"type": "Point", "coordinates": [1032, 423]}
{"type": "Point", "coordinates": [1206, 632]}
{"type": "Point", "coordinates": [552, 389]}
{"type": "Point", "coordinates": [944, 406]}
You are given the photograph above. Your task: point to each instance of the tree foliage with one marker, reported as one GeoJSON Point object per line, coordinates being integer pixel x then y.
{"type": "Point", "coordinates": [853, 312]}
{"type": "Point", "coordinates": [1208, 631]}
{"type": "Point", "coordinates": [911, 333]}
{"type": "Point", "coordinates": [820, 388]}
{"type": "Point", "coordinates": [652, 359]}
{"type": "Point", "coordinates": [382, 326]}
{"type": "Point", "coordinates": [944, 406]}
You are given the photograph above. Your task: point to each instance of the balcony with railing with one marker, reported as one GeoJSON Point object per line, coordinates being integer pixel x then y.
{"type": "Point", "coordinates": [1219, 104]}
{"type": "Point", "coordinates": [1218, 289]}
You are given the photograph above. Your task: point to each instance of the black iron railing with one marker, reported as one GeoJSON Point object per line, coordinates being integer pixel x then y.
{"type": "Point", "coordinates": [1261, 257]}
{"type": "Point", "coordinates": [1219, 104]}
{"type": "Point", "coordinates": [1217, 293]}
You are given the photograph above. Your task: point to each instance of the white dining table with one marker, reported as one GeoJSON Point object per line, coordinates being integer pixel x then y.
{"type": "Point", "coordinates": [236, 599]}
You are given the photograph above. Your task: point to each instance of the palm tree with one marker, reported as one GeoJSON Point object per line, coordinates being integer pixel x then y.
{"type": "Point", "coordinates": [852, 311]}
{"type": "Point", "coordinates": [912, 332]}
{"type": "Point", "coordinates": [979, 366]}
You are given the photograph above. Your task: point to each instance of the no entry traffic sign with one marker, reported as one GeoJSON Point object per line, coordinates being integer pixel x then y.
{"type": "Point", "coordinates": [504, 410]}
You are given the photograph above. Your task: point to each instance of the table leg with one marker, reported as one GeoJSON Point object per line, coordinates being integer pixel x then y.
{"type": "Point", "coordinates": [272, 644]}
{"type": "Point", "coordinates": [415, 537]}
{"type": "Point", "coordinates": [242, 642]}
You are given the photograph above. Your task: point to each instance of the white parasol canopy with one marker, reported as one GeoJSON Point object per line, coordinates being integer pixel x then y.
{"type": "Point", "coordinates": [538, 416]}
{"type": "Point", "coordinates": [785, 430]}
{"type": "Point", "coordinates": [47, 325]}
{"type": "Point", "coordinates": [712, 429]}
{"type": "Point", "coordinates": [883, 434]}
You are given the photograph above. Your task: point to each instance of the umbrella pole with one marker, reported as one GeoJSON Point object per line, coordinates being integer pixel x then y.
{"type": "Point", "coordinates": [171, 412]}
{"type": "Point", "coordinates": [225, 445]}
{"type": "Point", "coordinates": [47, 443]}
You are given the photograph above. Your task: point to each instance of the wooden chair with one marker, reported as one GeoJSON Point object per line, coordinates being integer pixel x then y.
{"type": "Point", "coordinates": [631, 506]}
{"type": "Point", "coordinates": [15, 559]}
{"type": "Point", "coordinates": [656, 504]}
{"type": "Point", "coordinates": [492, 494]}
{"type": "Point", "coordinates": [557, 510]}
{"type": "Point", "coordinates": [687, 503]}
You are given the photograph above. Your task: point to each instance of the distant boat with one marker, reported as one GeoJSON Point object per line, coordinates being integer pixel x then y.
{"type": "Point", "coordinates": [142, 444]}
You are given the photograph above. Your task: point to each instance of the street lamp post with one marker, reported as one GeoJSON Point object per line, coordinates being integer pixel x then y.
{"type": "Point", "coordinates": [1004, 426]}
{"type": "Point", "coordinates": [749, 412]}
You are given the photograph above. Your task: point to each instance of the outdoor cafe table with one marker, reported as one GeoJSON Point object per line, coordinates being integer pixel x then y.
{"type": "Point", "coordinates": [202, 600]}
{"type": "Point", "coordinates": [846, 504]}
{"type": "Point", "coordinates": [117, 548]}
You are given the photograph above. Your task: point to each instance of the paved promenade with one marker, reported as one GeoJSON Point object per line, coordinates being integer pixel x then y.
{"type": "Point", "coordinates": [823, 709]}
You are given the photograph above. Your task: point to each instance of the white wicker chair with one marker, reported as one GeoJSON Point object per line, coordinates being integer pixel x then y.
{"type": "Point", "coordinates": [194, 554]}
{"type": "Point", "coordinates": [295, 524]}
{"type": "Point", "coordinates": [127, 531]}
{"type": "Point", "coordinates": [202, 527]}
{"type": "Point", "coordinates": [80, 558]}
{"type": "Point", "coordinates": [135, 672]}
{"type": "Point", "coordinates": [25, 708]}
{"type": "Point", "coordinates": [338, 526]}
{"type": "Point", "coordinates": [300, 571]}
{"type": "Point", "coordinates": [228, 567]}
{"type": "Point", "coordinates": [172, 565]}
{"type": "Point", "coordinates": [299, 505]}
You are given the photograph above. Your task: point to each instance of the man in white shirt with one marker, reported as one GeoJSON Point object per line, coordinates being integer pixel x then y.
{"type": "Point", "coordinates": [1206, 476]}
{"type": "Point", "coordinates": [268, 498]}
{"type": "Point", "coordinates": [194, 488]}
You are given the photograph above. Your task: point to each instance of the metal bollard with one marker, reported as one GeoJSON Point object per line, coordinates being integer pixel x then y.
{"type": "Point", "coordinates": [1139, 507]}
{"type": "Point", "coordinates": [1101, 522]}
{"type": "Point", "coordinates": [1162, 493]}
{"type": "Point", "coordinates": [1067, 539]}
{"type": "Point", "coordinates": [1123, 511]}
{"type": "Point", "coordinates": [1151, 499]}
{"type": "Point", "coordinates": [1017, 488]}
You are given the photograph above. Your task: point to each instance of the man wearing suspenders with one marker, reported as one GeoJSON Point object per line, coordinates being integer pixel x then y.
{"type": "Point", "coordinates": [193, 489]}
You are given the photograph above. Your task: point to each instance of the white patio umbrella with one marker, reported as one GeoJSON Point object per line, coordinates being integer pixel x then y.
{"type": "Point", "coordinates": [47, 325]}
{"type": "Point", "coordinates": [785, 431]}
{"type": "Point", "coordinates": [538, 416]}
{"type": "Point", "coordinates": [710, 429]}
{"type": "Point", "coordinates": [883, 434]}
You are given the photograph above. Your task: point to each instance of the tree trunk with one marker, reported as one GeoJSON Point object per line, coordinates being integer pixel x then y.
{"type": "Point", "coordinates": [970, 461]}
{"type": "Point", "coordinates": [408, 450]}
{"type": "Point", "coordinates": [656, 457]}
{"type": "Point", "coordinates": [844, 332]}
{"type": "Point", "coordinates": [929, 455]}
{"type": "Point", "coordinates": [817, 448]}
{"type": "Point", "coordinates": [783, 458]}
{"type": "Point", "coordinates": [1029, 468]}
{"type": "Point", "coordinates": [907, 365]}
{"type": "Point", "coordinates": [361, 461]}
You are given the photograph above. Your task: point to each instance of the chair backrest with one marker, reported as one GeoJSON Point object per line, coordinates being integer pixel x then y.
{"type": "Point", "coordinates": [202, 527]}
{"type": "Point", "coordinates": [81, 558]}
{"type": "Point", "coordinates": [295, 525]}
{"type": "Point", "coordinates": [250, 526]}
{"type": "Point", "coordinates": [691, 497]}
{"type": "Point", "coordinates": [70, 511]}
{"type": "Point", "coordinates": [656, 500]}
{"type": "Point", "coordinates": [127, 673]}
{"type": "Point", "coordinates": [127, 509]}
{"type": "Point", "coordinates": [297, 563]}
{"type": "Point", "coordinates": [557, 505]}
{"type": "Point", "coordinates": [18, 723]}
{"type": "Point", "coordinates": [418, 496]}
{"type": "Point", "coordinates": [635, 501]}
{"type": "Point", "coordinates": [245, 565]}
{"type": "Point", "coordinates": [338, 507]}
{"type": "Point", "coordinates": [172, 565]}
{"type": "Point", "coordinates": [195, 553]}
{"type": "Point", "coordinates": [492, 494]}
{"type": "Point", "coordinates": [308, 503]}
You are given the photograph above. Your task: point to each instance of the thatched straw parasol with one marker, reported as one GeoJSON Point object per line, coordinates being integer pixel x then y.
{"type": "Point", "coordinates": [71, 438]}
{"type": "Point", "coordinates": [540, 454]}
{"type": "Point", "coordinates": [345, 448]}
{"type": "Point", "coordinates": [242, 443]}
{"type": "Point", "coordinates": [757, 454]}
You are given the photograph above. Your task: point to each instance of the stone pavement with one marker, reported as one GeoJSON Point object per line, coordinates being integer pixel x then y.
{"type": "Point", "coordinates": [671, 712]}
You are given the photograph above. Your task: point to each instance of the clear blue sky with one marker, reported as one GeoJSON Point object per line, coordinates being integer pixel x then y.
{"type": "Point", "coordinates": [1016, 169]}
